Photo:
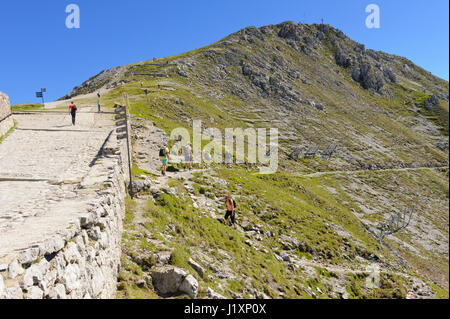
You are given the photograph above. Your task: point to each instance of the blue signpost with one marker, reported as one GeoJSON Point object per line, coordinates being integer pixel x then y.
{"type": "Point", "coordinates": [41, 95]}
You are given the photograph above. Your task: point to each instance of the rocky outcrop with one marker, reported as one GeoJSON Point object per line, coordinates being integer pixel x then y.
{"type": "Point", "coordinates": [367, 76]}
{"type": "Point", "coordinates": [291, 31]}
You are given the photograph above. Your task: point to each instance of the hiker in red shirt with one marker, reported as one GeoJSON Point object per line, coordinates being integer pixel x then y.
{"type": "Point", "coordinates": [73, 112]}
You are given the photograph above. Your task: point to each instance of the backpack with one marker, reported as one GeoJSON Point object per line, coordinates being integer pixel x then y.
{"type": "Point", "coordinates": [162, 152]}
{"type": "Point", "coordinates": [234, 203]}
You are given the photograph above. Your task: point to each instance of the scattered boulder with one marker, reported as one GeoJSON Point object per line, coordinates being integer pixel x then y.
{"type": "Point", "coordinates": [163, 257]}
{"type": "Point", "coordinates": [169, 280]}
{"type": "Point", "coordinates": [199, 269]}
{"type": "Point", "coordinates": [213, 295]}
{"type": "Point", "coordinates": [261, 295]}
{"type": "Point", "coordinates": [340, 34]}
{"type": "Point", "coordinates": [141, 185]}
{"type": "Point", "coordinates": [59, 292]}
{"type": "Point", "coordinates": [290, 30]}
{"type": "Point", "coordinates": [285, 256]}
{"type": "Point", "coordinates": [390, 75]}
{"type": "Point", "coordinates": [14, 292]}
{"type": "Point", "coordinates": [367, 77]}
{"type": "Point", "coordinates": [15, 270]}
{"type": "Point", "coordinates": [308, 41]}
{"type": "Point", "coordinates": [342, 59]}
{"type": "Point", "coordinates": [155, 192]}
{"type": "Point", "coordinates": [295, 154]}
{"type": "Point", "coordinates": [189, 286]}
{"type": "Point", "coordinates": [289, 242]}
{"type": "Point", "coordinates": [29, 255]}
{"type": "Point", "coordinates": [434, 100]}
{"type": "Point", "coordinates": [443, 146]}
{"type": "Point", "coordinates": [35, 293]}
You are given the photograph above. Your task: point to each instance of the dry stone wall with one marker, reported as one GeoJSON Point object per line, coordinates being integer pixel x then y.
{"type": "Point", "coordinates": [83, 260]}
{"type": "Point", "coordinates": [6, 120]}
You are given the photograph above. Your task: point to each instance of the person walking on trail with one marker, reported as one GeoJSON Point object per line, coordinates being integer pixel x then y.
{"type": "Point", "coordinates": [230, 216]}
{"type": "Point", "coordinates": [188, 156]}
{"type": "Point", "coordinates": [98, 102]}
{"type": "Point", "coordinates": [164, 156]}
{"type": "Point", "coordinates": [73, 111]}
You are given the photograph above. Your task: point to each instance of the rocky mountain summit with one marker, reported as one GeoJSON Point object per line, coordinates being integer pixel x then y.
{"type": "Point", "coordinates": [363, 140]}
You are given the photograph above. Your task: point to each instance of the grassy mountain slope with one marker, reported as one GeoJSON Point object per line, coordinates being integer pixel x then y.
{"type": "Point", "coordinates": [389, 120]}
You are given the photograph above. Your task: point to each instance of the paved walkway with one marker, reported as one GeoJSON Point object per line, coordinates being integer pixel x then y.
{"type": "Point", "coordinates": [41, 166]}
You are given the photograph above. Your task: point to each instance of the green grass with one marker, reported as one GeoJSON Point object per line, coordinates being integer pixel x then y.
{"type": "Point", "coordinates": [27, 107]}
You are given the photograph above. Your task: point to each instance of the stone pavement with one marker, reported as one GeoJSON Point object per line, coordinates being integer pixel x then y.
{"type": "Point", "coordinates": [43, 165]}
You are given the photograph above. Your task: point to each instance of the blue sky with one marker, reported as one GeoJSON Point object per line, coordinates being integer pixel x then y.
{"type": "Point", "coordinates": [37, 50]}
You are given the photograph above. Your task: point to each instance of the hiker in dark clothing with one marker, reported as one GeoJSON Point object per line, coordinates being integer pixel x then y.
{"type": "Point", "coordinates": [73, 112]}
{"type": "Point", "coordinates": [98, 102]}
{"type": "Point", "coordinates": [231, 211]}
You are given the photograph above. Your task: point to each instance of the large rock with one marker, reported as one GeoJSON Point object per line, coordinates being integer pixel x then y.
{"type": "Point", "coordinates": [342, 59]}
{"type": "Point", "coordinates": [29, 255]}
{"type": "Point", "coordinates": [295, 154]}
{"type": "Point", "coordinates": [291, 31]}
{"type": "Point", "coordinates": [189, 286]}
{"type": "Point", "coordinates": [14, 292]}
{"type": "Point", "coordinates": [434, 100]}
{"type": "Point", "coordinates": [169, 280]}
{"type": "Point", "coordinates": [141, 185]}
{"type": "Point", "coordinates": [289, 242]}
{"type": "Point", "coordinates": [71, 253]}
{"type": "Point", "coordinates": [33, 276]}
{"type": "Point", "coordinates": [71, 278]}
{"type": "Point", "coordinates": [367, 77]}
{"type": "Point", "coordinates": [14, 270]}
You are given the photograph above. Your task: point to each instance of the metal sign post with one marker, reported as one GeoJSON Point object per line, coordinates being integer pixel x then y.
{"type": "Point", "coordinates": [122, 127]}
{"type": "Point", "coordinates": [41, 95]}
